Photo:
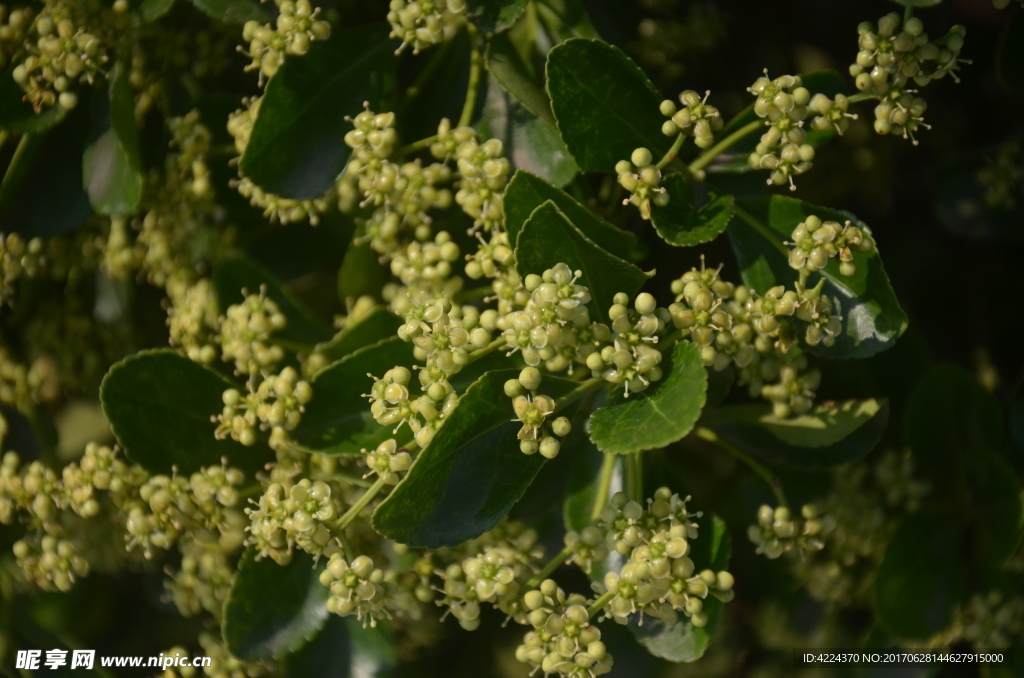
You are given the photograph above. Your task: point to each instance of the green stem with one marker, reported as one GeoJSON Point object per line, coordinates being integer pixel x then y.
{"type": "Point", "coordinates": [250, 491]}
{"type": "Point", "coordinates": [635, 477]}
{"type": "Point", "coordinates": [604, 485]}
{"type": "Point", "coordinates": [358, 507]}
{"type": "Point", "coordinates": [551, 566]}
{"type": "Point", "coordinates": [861, 96]}
{"type": "Point", "coordinates": [348, 479]}
{"type": "Point", "coordinates": [417, 145]}
{"type": "Point", "coordinates": [475, 66]}
{"type": "Point", "coordinates": [908, 13]}
{"type": "Point", "coordinates": [489, 348]}
{"type": "Point", "coordinates": [706, 158]}
{"type": "Point", "coordinates": [599, 604]}
{"type": "Point", "coordinates": [672, 152]}
{"type": "Point", "coordinates": [4, 136]}
{"type": "Point", "coordinates": [18, 165]}
{"type": "Point", "coordinates": [773, 481]}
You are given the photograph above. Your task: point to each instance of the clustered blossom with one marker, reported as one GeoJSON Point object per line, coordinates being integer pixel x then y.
{"type": "Point", "coordinates": [422, 23]}
{"type": "Point", "coordinates": [295, 28]}
{"type": "Point", "coordinates": [641, 178]}
{"type": "Point", "coordinates": [894, 53]}
{"type": "Point", "coordinates": [783, 149]}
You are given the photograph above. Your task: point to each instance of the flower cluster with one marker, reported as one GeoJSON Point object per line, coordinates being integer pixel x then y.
{"type": "Point", "coordinates": [658, 577]}
{"type": "Point", "coordinates": [296, 27]}
{"type": "Point", "coordinates": [783, 149]}
{"type": "Point", "coordinates": [299, 515]}
{"type": "Point", "coordinates": [387, 461]}
{"type": "Point", "coordinates": [641, 177]}
{"type": "Point", "coordinates": [422, 23]}
{"type": "Point", "coordinates": [696, 117]}
{"type": "Point", "coordinates": [563, 641]}
{"type": "Point", "coordinates": [536, 434]}
{"type": "Point", "coordinates": [894, 53]}
{"type": "Point", "coordinates": [816, 241]}
{"type": "Point", "coordinates": [62, 54]}
{"type": "Point", "coordinates": [245, 331]}
{"type": "Point", "coordinates": [778, 532]}
{"type": "Point", "coordinates": [275, 405]}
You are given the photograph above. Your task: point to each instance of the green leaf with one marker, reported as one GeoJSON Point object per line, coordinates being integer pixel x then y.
{"type": "Point", "coordinates": [530, 143]}
{"type": "Point", "coordinates": [111, 168]}
{"type": "Point", "coordinates": [494, 16]}
{"type": "Point", "coordinates": [997, 492]}
{"type": "Point", "coordinates": [470, 474]}
{"type": "Point", "coordinates": [272, 610]}
{"type": "Point", "coordinates": [872, 317]}
{"type": "Point", "coordinates": [582, 490]}
{"type": "Point", "coordinates": [604, 104]}
{"type": "Point", "coordinates": [830, 435]}
{"type": "Point", "coordinates": [337, 420]}
{"type": "Point", "coordinates": [153, 10]}
{"type": "Point", "coordinates": [16, 114]}
{"type": "Point", "coordinates": [508, 68]}
{"type": "Point", "coordinates": [682, 641]}
{"type": "Point", "coordinates": [232, 11]}
{"type": "Point", "coordinates": [378, 325]}
{"type": "Point", "coordinates": [950, 418]}
{"type": "Point", "coordinates": [526, 192]}
{"type": "Point", "coordinates": [1010, 53]}
{"type": "Point", "coordinates": [303, 331]}
{"type": "Point", "coordinates": [297, 148]}
{"type": "Point", "coordinates": [548, 237]}
{"type": "Point", "coordinates": [921, 578]}
{"type": "Point", "coordinates": [344, 649]}
{"type": "Point", "coordinates": [688, 220]}
{"type": "Point", "coordinates": [658, 416]}
{"type": "Point", "coordinates": [734, 160]}
{"type": "Point", "coordinates": [361, 273]}
{"type": "Point", "coordinates": [159, 405]}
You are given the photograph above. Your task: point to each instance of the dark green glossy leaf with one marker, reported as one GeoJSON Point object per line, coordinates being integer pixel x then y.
{"type": "Point", "coordinates": [530, 143]}
{"type": "Point", "coordinates": [604, 104]}
{"type": "Point", "coordinates": [297, 148]}
{"type": "Point", "coordinates": [548, 237]}
{"type": "Point", "coordinates": [1010, 53]}
{"type": "Point", "coordinates": [111, 168]}
{"type": "Point", "coordinates": [872, 317]}
{"type": "Point", "coordinates": [378, 325]}
{"type": "Point", "coordinates": [951, 418]}
{"type": "Point", "coordinates": [526, 192]}
{"type": "Point", "coordinates": [361, 273]}
{"type": "Point", "coordinates": [495, 15]}
{"type": "Point", "coordinates": [687, 221]}
{"type": "Point", "coordinates": [231, 276]}
{"type": "Point", "coordinates": [922, 576]}
{"type": "Point", "coordinates": [830, 435]}
{"type": "Point", "coordinates": [470, 474]}
{"type": "Point", "coordinates": [337, 420]}
{"type": "Point", "coordinates": [507, 67]}
{"type": "Point", "coordinates": [16, 114]}
{"type": "Point", "coordinates": [159, 405]}
{"type": "Point", "coordinates": [232, 11]}
{"type": "Point", "coordinates": [827, 82]}
{"type": "Point", "coordinates": [720, 383]}
{"type": "Point", "coordinates": [344, 649]}
{"type": "Point", "coordinates": [152, 10]}
{"type": "Point", "coordinates": [682, 641]}
{"type": "Point", "coordinates": [658, 416]}
{"type": "Point", "coordinates": [272, 610]}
